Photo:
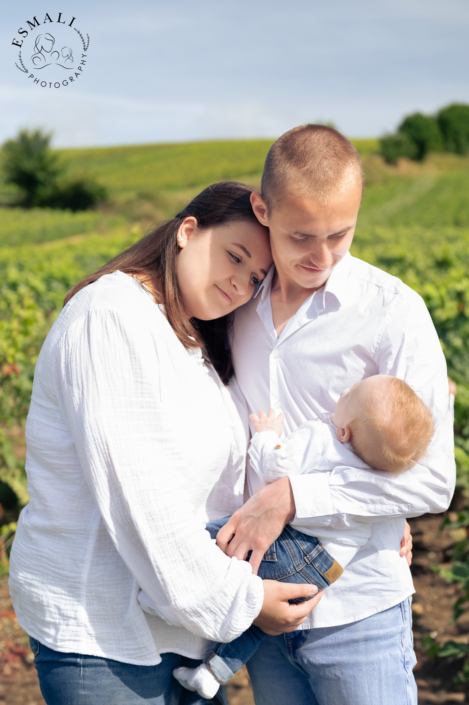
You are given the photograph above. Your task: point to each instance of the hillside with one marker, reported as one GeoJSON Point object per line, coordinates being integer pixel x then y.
{"type": "Point", "coordinates": [414, 223]}
{"type": "Point", "coordinates": [149, 183]}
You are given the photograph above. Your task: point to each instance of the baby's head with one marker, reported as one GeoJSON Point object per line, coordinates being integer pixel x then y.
{"type": "Point", "coordinates": [387, 424]}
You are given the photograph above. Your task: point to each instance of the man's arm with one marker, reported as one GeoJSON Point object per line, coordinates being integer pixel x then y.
{"type": "Point", "coordinates": [407, 346]}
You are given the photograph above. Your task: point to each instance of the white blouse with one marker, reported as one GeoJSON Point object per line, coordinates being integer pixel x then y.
{"type": "Point", "coordinates": [133, 445]}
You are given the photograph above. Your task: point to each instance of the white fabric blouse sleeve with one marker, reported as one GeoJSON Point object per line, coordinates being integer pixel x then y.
{"type": "Point", "coordinates": [108, 385]}
{"type": "Point", "coordinates": [407, 347]}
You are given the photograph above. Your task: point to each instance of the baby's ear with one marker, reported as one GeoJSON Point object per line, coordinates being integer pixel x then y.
{"type": "Point", "coordinates": [344, 434]}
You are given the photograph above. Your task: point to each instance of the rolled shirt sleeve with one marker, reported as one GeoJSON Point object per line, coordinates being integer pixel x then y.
{"type": "Point", "coordinates": [407, 347]}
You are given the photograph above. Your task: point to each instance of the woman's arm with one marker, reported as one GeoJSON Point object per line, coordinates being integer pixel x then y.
{"type": "Point", "coordinates": [129, 449]}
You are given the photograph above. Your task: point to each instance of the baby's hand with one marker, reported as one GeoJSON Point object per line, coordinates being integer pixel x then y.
{"type": "Point", "coordinates": [267, 423]}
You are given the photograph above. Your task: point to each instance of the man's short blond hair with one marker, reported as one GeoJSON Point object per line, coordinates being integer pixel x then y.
{"type": "Point", "coordinates": [396, 429]}
{"type": "Point", "coordinates": [312, 161]}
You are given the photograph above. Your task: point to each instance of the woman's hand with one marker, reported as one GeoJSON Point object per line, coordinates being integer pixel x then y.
{"type": "Point", "coordinates": [406, 545]}
{"type": "Point", "coordinates": [277, 616]}
{"type": "Point", "coordinates": [258, 523]}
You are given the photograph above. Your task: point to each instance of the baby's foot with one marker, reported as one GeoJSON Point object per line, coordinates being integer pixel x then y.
{"type": "Point", "coordinates": [199, 679]}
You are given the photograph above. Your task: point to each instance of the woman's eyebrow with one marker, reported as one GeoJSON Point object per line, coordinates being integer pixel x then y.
{"type": "Point", "coordinates": [238, 244]}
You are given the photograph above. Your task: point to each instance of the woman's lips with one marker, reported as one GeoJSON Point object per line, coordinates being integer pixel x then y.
{"type": "Point", "coordinates": [228, 298]}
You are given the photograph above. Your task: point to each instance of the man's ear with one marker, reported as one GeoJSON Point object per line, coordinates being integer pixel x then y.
{"type": "Point", "coordinates": [259, 206]}
{"type": "Point", "coordinates": [186, 230]}
{"type": "Point", "coordinates": [344, 434]}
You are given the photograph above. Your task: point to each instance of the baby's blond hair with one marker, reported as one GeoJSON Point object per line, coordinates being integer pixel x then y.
{"type": "Point", "coordinates": [395, 430]}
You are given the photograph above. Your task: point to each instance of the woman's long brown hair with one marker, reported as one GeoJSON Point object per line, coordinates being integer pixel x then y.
{"type": "Point", "coordinates": [153, 260]}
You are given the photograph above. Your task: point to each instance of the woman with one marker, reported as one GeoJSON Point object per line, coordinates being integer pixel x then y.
{"type": "Point", "coordinates": [134, 443]}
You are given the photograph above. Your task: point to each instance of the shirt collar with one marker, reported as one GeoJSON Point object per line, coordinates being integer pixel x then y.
{"type": "Point", "coordinates": [264, 286]}
{"type": "Point", "coordinates": [336, 284]}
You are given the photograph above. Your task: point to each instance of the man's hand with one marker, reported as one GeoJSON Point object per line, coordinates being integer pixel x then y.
{"type": "Point", "coordinates": [277, 615]}
{"type": "Point", "coordinates": [452, 387]}
{"type": "Point", "coordinates": [406, 545]}
{"type": "Point", "coordinates": [258, 523]}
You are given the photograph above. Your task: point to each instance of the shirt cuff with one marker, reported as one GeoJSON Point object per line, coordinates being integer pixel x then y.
{"type": "Point", "coordinates": [312, 495]}
{"type": "Point", "coordinates": [262, 443]}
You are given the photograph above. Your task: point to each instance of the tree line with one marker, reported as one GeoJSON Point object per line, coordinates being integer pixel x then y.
{"type": "Point", "coordinates": [419, 134]}
{"type": "Point", "coordinates": [40, 178]}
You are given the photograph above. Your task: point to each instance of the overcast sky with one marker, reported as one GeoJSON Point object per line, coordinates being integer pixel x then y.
{"type": "Point", "coordinates": [204, 69]}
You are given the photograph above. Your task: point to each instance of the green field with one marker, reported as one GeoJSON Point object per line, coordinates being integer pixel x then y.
{"type": "Point", "coordinates": [414, 223]}
{"type": "Point", "coordinates": [150, 169]}
{"type": "Point", "coordinates": [147, 183]}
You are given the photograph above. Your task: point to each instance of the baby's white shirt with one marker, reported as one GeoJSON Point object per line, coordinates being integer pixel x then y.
{"type": "Point", "coordinates": [313, 445]}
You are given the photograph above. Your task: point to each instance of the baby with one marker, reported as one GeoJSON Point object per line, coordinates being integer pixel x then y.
{"type": "Point", "coordinates": [380, 424]}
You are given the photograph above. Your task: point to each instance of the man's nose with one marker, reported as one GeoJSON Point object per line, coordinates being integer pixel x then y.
{"type": "Point", "coordinates": [322, 256]}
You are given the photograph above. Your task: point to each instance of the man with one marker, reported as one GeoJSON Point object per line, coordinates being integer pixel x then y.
{"type": "Point", "coordinates": [321, 321]}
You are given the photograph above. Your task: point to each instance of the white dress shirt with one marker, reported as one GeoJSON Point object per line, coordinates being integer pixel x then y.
{"type": "Point", "coordinates": [312, 447]}
{"type": "Point", "coordinates": [362, 322]}
{"type": "Point", "coordinates": [133, 445]}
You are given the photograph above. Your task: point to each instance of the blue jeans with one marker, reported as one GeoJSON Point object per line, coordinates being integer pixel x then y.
{"type": "Point", "coordinates": [368, 662]}
{"type": "Point", "coordinates": [293, 558]}
{"type": "Point", "coordinates": [76, 679]}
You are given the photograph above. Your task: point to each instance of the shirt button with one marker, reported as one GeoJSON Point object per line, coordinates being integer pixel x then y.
{"type": "Point", "coordinates": [276, 354]}
{"type": "Point", "coordinates": [278, 404]}
{"type": "Point", "coordinates": [277, 447]}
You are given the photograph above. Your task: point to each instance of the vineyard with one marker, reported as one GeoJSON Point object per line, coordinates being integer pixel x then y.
{"type": "Point", "coordinates": [414, 223]}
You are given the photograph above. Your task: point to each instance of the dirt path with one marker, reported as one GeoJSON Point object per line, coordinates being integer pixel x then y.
{"type": "Point", "coordinates": [432, 613]}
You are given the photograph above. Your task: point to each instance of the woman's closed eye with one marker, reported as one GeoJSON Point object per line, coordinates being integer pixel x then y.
{"type": "Point", "coordinates": [254, 279]}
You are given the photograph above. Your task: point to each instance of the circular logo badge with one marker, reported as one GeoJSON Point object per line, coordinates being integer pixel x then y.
{"type": "Point", "coordinates": [52, 50]}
